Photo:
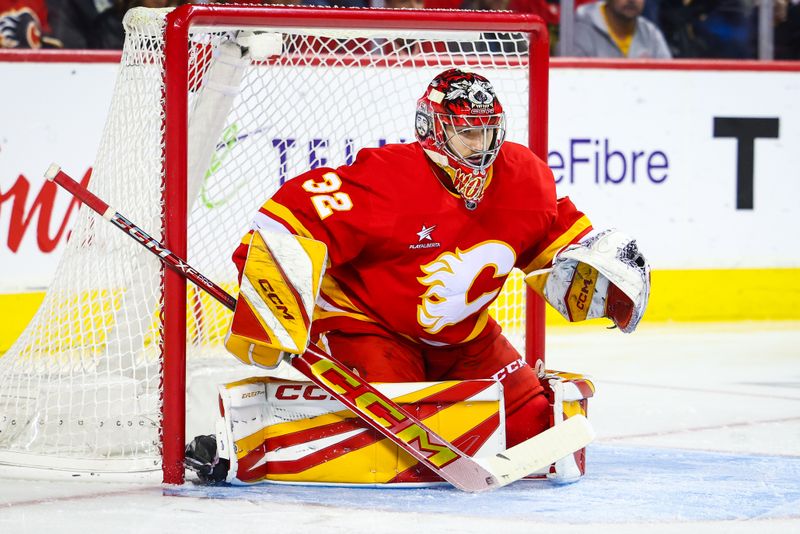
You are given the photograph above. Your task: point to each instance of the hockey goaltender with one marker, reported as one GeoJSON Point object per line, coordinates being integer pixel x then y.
{"type": "Point", "coordinates": [403, 252]}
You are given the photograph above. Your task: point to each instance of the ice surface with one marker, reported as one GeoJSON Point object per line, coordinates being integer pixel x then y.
{"type": "Point", "coordinates": [698, 431]}
{"type": "Point", "coordinates": [664, 485]}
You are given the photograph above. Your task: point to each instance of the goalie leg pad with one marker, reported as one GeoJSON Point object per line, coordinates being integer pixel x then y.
{"type": "Point", "coordinates": [284, 431]}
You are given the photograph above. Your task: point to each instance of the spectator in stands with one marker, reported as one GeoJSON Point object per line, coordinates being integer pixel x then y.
{"type": "Point", "coordinates": [550, 11]}
{"type": "Point", "coordinates": [491, 42]}
{"type": "Point", "coordinates": [95, 24]}
{"type": "Point", "coordinates": [708, 28]}
{"type": "Point", "coordinates": [616, 29]}
{"type": "Point", "coordinates": [786, 27]}
{"type": "Point", "coordinates": [24, 24]}
{"type": "Point", "coordinates": [787, 31]}
{"type": "Point", "coordinates": [651, 11]}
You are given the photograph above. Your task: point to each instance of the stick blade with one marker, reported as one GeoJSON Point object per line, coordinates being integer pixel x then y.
{"type": "Point", "coordinates": [540, 451]}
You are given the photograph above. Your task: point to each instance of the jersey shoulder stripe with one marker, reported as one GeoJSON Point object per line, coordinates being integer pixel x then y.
{"type": "Point", "coordinates": [284, 215]}
{"type": "Point", "coordinates": [546, 256]}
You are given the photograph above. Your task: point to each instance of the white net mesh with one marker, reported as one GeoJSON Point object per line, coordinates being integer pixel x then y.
{"type": "Point", "coordinates": [81, 388]}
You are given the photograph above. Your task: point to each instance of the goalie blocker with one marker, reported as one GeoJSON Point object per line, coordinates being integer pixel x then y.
{"type": "Point", "coordinates": [272, 430]}
{"type": "Point", "coordinates": [277, 295]}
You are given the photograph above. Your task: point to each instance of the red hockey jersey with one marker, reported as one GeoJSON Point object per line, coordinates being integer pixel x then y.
{"type": "Point", "coordinates": [406, 255]}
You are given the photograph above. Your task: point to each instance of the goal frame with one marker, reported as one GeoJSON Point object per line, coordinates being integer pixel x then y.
{"type": "Point", "coordinates": [175, 158]}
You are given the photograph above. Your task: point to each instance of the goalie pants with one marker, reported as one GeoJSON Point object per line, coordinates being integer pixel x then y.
{"type": "Point", "coordinates": [386, 358]}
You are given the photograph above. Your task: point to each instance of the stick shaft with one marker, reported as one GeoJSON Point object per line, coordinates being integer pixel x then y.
{"type": "Point", "coordinates": [170, 259]}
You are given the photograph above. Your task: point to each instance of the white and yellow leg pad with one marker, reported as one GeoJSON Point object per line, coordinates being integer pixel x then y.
{"type": "Point", "coordinates": [295, 432]}
{"type": "Point", "coordinates": [280, 283]}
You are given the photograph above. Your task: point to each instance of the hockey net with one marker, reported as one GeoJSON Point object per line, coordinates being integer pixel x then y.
{"type": "Point", "coordinates": [97, 381]}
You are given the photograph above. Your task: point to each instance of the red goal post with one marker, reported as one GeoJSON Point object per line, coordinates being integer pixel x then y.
{"type": "Point", "coordinates": [198, 136]}
{"type": "Point", "coordinates": [179, 23]}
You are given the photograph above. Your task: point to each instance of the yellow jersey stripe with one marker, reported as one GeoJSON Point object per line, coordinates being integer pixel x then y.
{"type": "Point", "coordinates": [320, 314]}
{"type": "Point", "coordinates": [546, 256]}
{"type": "Point", "coordinates": [284, 214]}
{"type": "Point", "coordinates": [331, 291]}
{"type": "Point", "coordinates": [480, 324]}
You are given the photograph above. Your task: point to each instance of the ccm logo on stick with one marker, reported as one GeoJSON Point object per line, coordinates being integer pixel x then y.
{"type": "Point", "coordinates": [382, 411]}
{"type": "Point", "coordinates": [296, 391]}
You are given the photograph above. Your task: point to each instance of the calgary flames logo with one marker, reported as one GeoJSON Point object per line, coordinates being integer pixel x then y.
{"type": "Point", "coordinates": [449, 279]}
{"type": "Point", "coordinates": [20, 28]}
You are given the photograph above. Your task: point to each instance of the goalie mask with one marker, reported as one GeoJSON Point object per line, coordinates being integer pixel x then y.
{"type": "Point", "coordinates": [461, 125]}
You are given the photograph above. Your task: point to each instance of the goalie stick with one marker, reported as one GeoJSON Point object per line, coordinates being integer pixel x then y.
{"type": "Point", "coordinates": [377, 410]}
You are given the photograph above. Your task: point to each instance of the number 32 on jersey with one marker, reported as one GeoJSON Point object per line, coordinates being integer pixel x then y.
{"type": "Point", "coordinates": [326, 195]}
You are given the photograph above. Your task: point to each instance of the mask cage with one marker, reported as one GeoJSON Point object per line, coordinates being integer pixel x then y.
{"type": "Point", "coordinates": [492, 128]}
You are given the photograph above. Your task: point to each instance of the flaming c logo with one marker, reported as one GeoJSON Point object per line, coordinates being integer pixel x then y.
{"type": "Point", "coordinates": [20, 28]}
{"type": "Point", "coordinates": [449, 279]}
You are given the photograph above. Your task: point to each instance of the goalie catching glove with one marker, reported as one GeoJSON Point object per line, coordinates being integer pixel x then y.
{"type": "Point", "coordinates": [604, 275]}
